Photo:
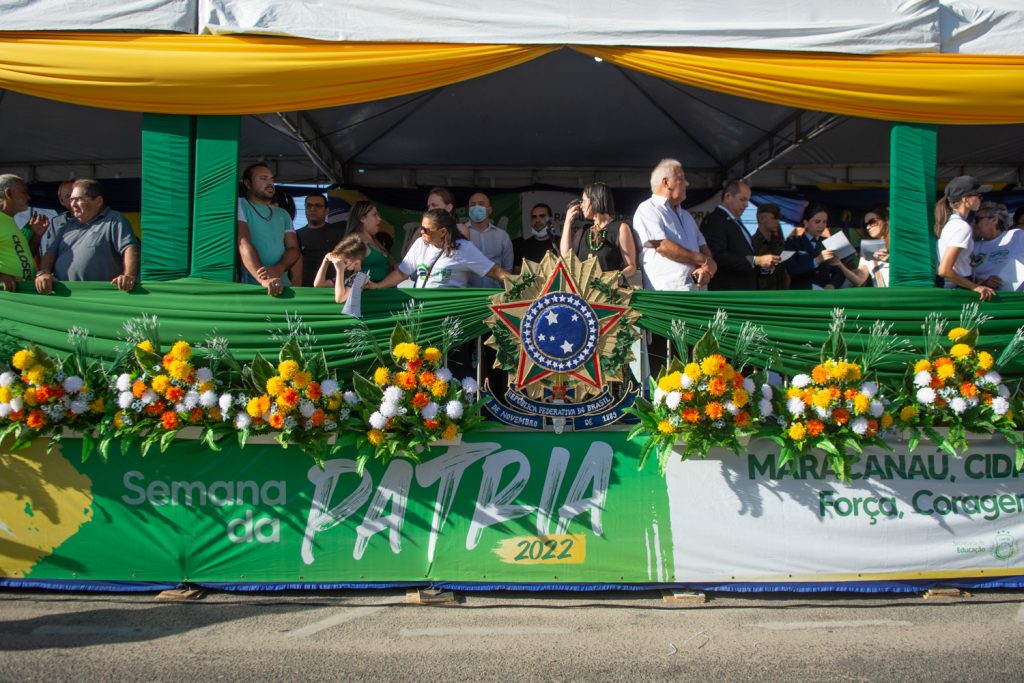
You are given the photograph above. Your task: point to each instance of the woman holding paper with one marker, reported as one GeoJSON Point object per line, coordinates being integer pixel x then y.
{"type": "Point", "coordinates": [873, 266]}
{"type": "Point", "coordinates": [810, 266]}
{"type": "Point", "coordinates": [956, 239]}
{"type": "Point", "coordinates": [998, 252]}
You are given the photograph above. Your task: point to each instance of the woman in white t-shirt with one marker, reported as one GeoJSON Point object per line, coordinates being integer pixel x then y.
{"type": "Point", "coordinates": [956, 239]}
{"type": "Point", "coordinates": [997, 249]}
{"type": "Point", "coordinates": [441, 257]}
{"type": "Point", "coordinates": [875, 270]}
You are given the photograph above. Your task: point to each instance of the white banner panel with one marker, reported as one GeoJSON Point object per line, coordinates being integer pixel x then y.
{"type": "Point", "coordinates": [178, 16]}
{"type": "Point", "coordinates": [918, 516]}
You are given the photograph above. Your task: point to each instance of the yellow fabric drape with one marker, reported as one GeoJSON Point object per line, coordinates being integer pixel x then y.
{"type": "Point", "coordinates": [923, 88]}
{"type": "Point", "coordinates": [200, 74]}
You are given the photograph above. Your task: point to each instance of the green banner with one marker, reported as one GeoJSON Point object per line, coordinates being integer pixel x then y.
{"type": "Point", "coordinates": [503, 507]}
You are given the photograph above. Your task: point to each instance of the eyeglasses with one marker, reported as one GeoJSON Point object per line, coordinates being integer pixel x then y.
{"type": "Point", "coordinates": [872, 221]}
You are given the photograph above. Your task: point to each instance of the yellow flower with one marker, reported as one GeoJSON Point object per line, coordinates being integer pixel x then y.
{"type": "Point", "coordinates": [671, 382]}
{"type": "Point", "coordinates": [146, 345]}
{"type": "Point", "coordinates": [960, 351]}
{"type": "Point", "coordinates": [334, 402]}
{"type": "Point", "coordinates": [287, 369]}
{"type": "Point", "coordinates": [406, 351]}
{"type": "Point", "coordinates": [886, 420]}
{"type": "Point", "coordinates": [956, 333]}
{"type": "Point", "coordinates": [908, 413]}
{"type": "Point", "coordinates": [22, 359]}
{"type": "Point", "coordinates": [822, 398]}
{"type": "Point", "coordinates": [36, 375]}
{"type": "Point", "coordinates": [945, 371]}
{"type": "Point", "coordinates": [206, 386]}
{"type": "Point", "coordinates": [860, 403]}
{"type": "Point", "coordinates": [119, 419]}
{"type": "Point", "coordinates": [985, 360]}
{"type": "Point", "coordinates": [431, 354]}
{"type": "Point", "coordinates": [727, 372]}
{"type": "Point", "coordinates": [97, 405]}
{"type": "Point", "coordinates": [797, 431]}
{"type": "Point", "coordinates": [923, 365]}
{"type": "Point", "coordinates": [253, 407]}
{"type": "Point", "coordinates": [711, 365]}
{"type": "Point", "coordinates": [740, 397]}
{"type": "Point", "coordinates": [381, 376]}
{"type": "Point", "coordinates": [665, 427]}
{"type": "Point", "coordinates": [161, 383]}
{"type": "Point", "coordinates": [692, 370]}
{"type": "Point", "coordinates": [275, 385]}
{"type": "Point", "coordinates": [851, 371]}
{"type": "Point", "coordinates": [439, 389]}
{"type": "Point", "coordinates": [794, 392]}
{"type": "Point", "coordinates": [180, 369]}
{"type": "Point", "coordinates": [375, 437]}
{"type": "Point", "coordinates": [450, 432]}
{"type": "Point", "coordinates": [5, 394]}
{"type": "Point", "coordinates": [302, 380]}
{"type": "Point", "coordinates": [181, 350]}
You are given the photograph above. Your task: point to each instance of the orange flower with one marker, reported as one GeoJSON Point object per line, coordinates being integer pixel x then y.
{"type": "Point", "coordinates": [937, 383]}
{"type": "Point", "coordinates": [167, 359]}
{"type": "Point", "coordinates": [742, 418]}
{"type": "Point", "coordinates": [872, 427]}
{"type": "Point", "coordinates": [317, 417]}
{"type": "Point", "coordinates": [835, 393]}
{"type": "Point", "coordinates": [840, 416]}
{"type": "Point", "coordinates": [313, 391]}
{"type": "Point", "coordinates": [16, 415]}
{"type": "Point", "coordinates": [288, 399]}
{"type": "Point", "coordinates": [687, 395]}
{"type": "Point", "coordinates": [169, 420]}
{"type": "Point", "coordinates": [819, 375]}
{"type": "Point", "coordinates": [691, 415]}
{"type": "Point", "coordinates": [420, 400]}
{"type": "Point", "coordinates": [713, 410]}
{"type": "Point", "coordinates": [405, 380]}
{"type": "Point", "coordinates": [263, 404]}
{"type": "Point", "coordinates": [737, 381]}
{"type": "Point", "coordinates": [195, 415]}
{"type": "Point", "coordinates": [717, 386]}
{"type": "Point", "coordinates": [815, 427]}
{"type": "Point", "coordinates": [415, 365]}
{"type": "Point", "coordinates": [175, 394]}
{"type": "Point", "coordinates": [850, 394]}
{"type": "Point", "coordinates": [969, 390]}
{"type": "Point", "coordinates": [427, 378]}
{"type": "Point", "coordinates": [42, 394]}
{"type": "Point", "coordinates": [36, 419]}
{"type": "Point", "coordinates": [276, 420]}
{"type": "Point", "coordinates": [154, 409]}
{"type": "Point", "coordinates": [138, 388]}
{"type": "Point", "coordinates": [431, 425]}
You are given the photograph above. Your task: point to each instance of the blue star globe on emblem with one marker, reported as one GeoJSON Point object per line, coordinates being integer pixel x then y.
{"type": "Point", "coordinates": [560, 331]}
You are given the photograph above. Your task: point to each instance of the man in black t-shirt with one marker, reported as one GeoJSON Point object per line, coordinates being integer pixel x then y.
{"type": "Point", "coordinates": [318, 238]}
{"type": "Point", "coordinates": [536, 240]}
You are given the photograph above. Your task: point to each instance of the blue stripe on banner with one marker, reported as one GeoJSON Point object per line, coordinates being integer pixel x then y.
{"type": "Point", "coordinates": [92, 586]}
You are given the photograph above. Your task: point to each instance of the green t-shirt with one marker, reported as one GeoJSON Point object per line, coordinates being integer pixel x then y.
{"type": "Point", "coordinates": [15, 255]}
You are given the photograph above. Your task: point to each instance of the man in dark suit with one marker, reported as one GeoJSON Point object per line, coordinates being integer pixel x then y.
{"type": "Point", "coordinates": [730, 243]}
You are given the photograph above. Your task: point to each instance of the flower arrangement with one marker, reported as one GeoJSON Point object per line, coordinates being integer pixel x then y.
{"type": "Point", "coordinates": [40, 396]}
{"type": "Point", "coordinates": [959, 388]}
{"type": "Point", "coordinates": [412, 400]}
{"type": "Point", "coordinates": [158, 394]}
{"type": "Point", "coordinates": [707, 401]}
{"type": "Point", "coordinates": [296, 400]}
{"type": "Point", "coordinates": [835, 408]}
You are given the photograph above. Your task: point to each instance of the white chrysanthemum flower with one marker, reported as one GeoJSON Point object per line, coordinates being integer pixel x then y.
{"type": "Point", "coordinates": [329, 387]}
{"type": "Point", "coordinates": [795, 406]}
{"type": "Point", "coordinates": [224, 402]}
{"type": "Point", "coordinates": [659, 395]}
{"type": "Point", "coordinates": [306, 408]}
{"type": "Point", "coordinates": [991, 377]}
{"type": "Point", "coordinates": [767, 391]}
{"type": "Point", "coordinates": [685, 381]}
{"type": "Point", "coordinates": [17, 403]}
{"type": "Point", "coordinates": [377, 420]}
{"type": "Point", "coordinates": [124, 400]}
{"type": "Point", "coordinates": [923, 378]}
{"type": "Point", "coordinates": [124, 382]}
{"type": "Point", "coordinates": [204, 375]}
{"type": "Point", "coordinates": [389, 409]}
{"type": "Point", "coordinates": [242, 421]}
{"type": "Point", "coordinates": [148, 397]}
{"type": "Point", "coordinates": [1003, 391]}
{"type": "Point", "coordinates": [469, 385]}
{"type": "Point", "coordinates": [430, 410]}
{"type": "Point", "coordinates": [926, 395]}
{"type": "Point", "coordinates": [731, 408]}
{"type": "Point", "coordinates": [393, 394]}
{"type": "Point", "coordinates": [444, 374]}
{"type": "Point", "coordinates": [801, 381]}
{"type": "Point", "coordinates": [822, 413]}
{"type": "Point", "coordinates": [748, 384]}
{"type": "Point", "coordinates": [454, 409]}
{"type": "Point", "coordinates": [764, 406]}
{"type": "Point", "coordinates": [876, 408]}
{"type": "Point", "coordinates": [72, 384]}
{"type": "Point", "coordinates": [191, 399]}
{"type": "Point", "coordinates": [1000, 405]}
{"type": "Point", "coordinates": [5, 409]}
{"type": "Point", "coordinates": [869, 389]}
{"type": "Point", "coordinates": [672, 400]}
{"type": "Point", "coordinates": [859, 425]}
{"type": "Point", "coordinates": [78, 407]}
{"type": "Point", "coordinates": [179, 407]}
{"type": "Point", "coordinates": [7, 379]}
{"type": "Point", "coordinates": [351, 398]}
{"type": "Point", "coordinates": [958, 405]}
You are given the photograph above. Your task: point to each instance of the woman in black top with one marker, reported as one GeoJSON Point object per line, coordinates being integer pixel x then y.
{"type": "Point", "coordinates": [604, 238]}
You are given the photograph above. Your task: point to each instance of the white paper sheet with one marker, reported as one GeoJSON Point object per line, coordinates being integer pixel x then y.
{"type": "Point", "coordinates": [869, 247]}
{"type": "Point", "coordinates": [354, 302]}
{"type": "Point", "coordinates": [839, 245]}
{"type": "Point", "coordinates": [785, 256]}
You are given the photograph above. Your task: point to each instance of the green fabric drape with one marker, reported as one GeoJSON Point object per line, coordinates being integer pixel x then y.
{"type": "Point", "coordinates": [913, 158]}
{"type": "Point", "coordinates": [167, 158]}
{"type": "Point", "coordinates": [192, 309]}
{"type": "Point", "coordinates": [216, 198]}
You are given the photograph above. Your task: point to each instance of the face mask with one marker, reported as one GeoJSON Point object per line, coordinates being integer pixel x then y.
{"type": "Point", "coordinates": [478, 213]}
{"type": "Point", "coordinates": [543, 232]}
